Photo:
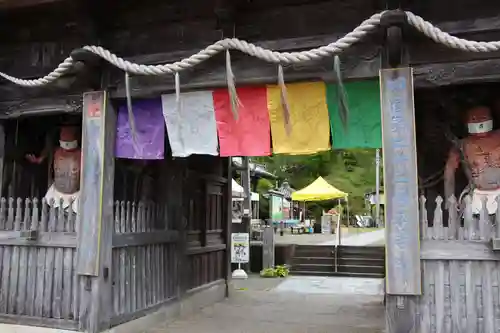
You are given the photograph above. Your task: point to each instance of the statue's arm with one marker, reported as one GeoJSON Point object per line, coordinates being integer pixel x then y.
{"type": "Point", "coordinates": [449, 174]}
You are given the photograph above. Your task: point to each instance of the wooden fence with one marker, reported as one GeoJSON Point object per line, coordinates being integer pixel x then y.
{"type": "Point", "coordinates": [144, 259]}
{"type": "Point", "coordinates": [38, 284]}
{"type": "Point", "coordinates": [461, 274]}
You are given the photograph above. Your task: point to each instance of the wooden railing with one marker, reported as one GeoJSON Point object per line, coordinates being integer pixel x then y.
{"type": "Point", "coordinates": [461, 273]}
{"type": "Point", "coordinates": [38, 284]}
{"type": "Point", "coordinates": [144, 259]}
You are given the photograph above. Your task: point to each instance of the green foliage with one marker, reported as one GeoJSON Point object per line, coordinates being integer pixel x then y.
{"type": "Point", "coordinates": [278, 271]}
{"type": "Point", "coordinates": [268, 272]}
{"type": "Point", "coordinates": [352, 171]}
{"type": "Point", "coordinates": [282, 271]}
{"type": "Point", "coordinates": [263, 186]}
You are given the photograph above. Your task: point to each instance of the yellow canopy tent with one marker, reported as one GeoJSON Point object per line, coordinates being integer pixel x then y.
{"type": "Point", "coordinates": [317, 191]}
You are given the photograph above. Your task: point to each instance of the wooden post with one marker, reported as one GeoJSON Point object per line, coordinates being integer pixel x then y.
{"type": "Point", "coordinates": [246, 220]}
{"type": "Point", "coordinates": [228, 200]}
{"type": "Point", "coordinates": [2, 157]}
{"type": "Point", "coordinates": [96, 211]}
{"type": "Point", "coordinates": [403, 274]}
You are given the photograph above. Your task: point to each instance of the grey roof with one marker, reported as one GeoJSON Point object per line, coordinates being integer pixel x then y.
{"type": "Point", "coordinates": [286, 190]}
{"type": "Point", "coordinates": [256, 169]}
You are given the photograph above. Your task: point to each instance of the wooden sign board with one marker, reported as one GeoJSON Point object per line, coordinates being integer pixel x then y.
{"type": "Point", "coordinates": [403, 275]}
{"type": "Point", "coordinates": [97, 183]}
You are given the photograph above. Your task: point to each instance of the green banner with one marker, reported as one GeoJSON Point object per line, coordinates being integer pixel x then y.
{"type": "Point", "coordinates": [364, 124]}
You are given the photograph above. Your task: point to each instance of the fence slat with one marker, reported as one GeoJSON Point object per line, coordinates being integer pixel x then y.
{"type": "Point", "coordinates": [116, 263]}
{"type": "Point", "coordinates": [68, 272]}
{"type": "Point", "coordinates": [23, 260]}
{"type": "Point", "coordinates": [133, 255]}
{"type": "Point", "coordinates": [32, 264]}
{"type": "Point", "coordinates": [128, 268]}
{"type": "Point", "coordinates": [497, 218]}
{"type": "Point", "coordinates": [453, 222]}
{"type": "Point", "coordinates": [424, 224]}
{"type": "Point", "coordinates": [49, 264]}
{"type": "Point", "coordinates": [41, 262]}
{"type": "Point", "coordinates": [3, 220]}
{"type": "Point", "coordinates": [142, 256]}
{"type": "Point", "coordinates": [469, 225]}
{"type": "Point", "coordinates": [438, 232]}
{"type": "Point", "coordinates": [122, 281]}
{"type": "Point", "coordinates": [484, 221]}
{"type": "Point", "coordinates": [58, 267]}
{"type": "Point", "coordinates": [14, 273]}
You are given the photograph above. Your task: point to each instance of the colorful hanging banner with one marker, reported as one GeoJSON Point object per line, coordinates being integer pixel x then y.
{"type": "Point", "coordinates": [150, 130]}
{"type": "Point", "coordinates": [310, 129]}
{"type": "Point", "coordinates": [364, 127]}
{"type": "Point", "coordinates": [249, 135]}
{"type": "Point", "coordinates": [192, 129]}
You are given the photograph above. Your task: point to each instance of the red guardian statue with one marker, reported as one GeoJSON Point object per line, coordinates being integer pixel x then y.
{"type": "Point", "coordinates": [66, 165]}
{"type": "Point", "coordinates": [480, 152]}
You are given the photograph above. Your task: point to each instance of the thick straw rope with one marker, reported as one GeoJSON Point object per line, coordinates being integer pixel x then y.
{"type": "Point", "coordinates": [366, 27]}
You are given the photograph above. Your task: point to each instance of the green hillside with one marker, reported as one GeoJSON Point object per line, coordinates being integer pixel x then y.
{"type": "Point", "coordinates": [352, 171]}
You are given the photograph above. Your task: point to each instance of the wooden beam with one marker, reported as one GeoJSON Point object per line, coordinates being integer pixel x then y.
{"type": "Point", "coordinates": [205, 249]}
{"type": "Point", "coordinates": [457, 250]}
{"type": "Point", "coordinates": [41, 106]}
{"type": "Point", "coordinates": [145, 238]}
{"type": "Point", "coordinates": [432, 75]}
{"type": "Point", "coordinates": [96, 210]}
{"type": "Point", "coordinates": [10, 4]}
{"type": "Point", "coordinates": [43, 239]}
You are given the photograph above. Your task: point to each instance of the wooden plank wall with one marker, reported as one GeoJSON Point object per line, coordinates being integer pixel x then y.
{"type": "Point", "coordinates": [166, 247]}
{"type": "Point", "coordinates": [460, 272]}
{"type": "Point", "coordinates": [38, 284]}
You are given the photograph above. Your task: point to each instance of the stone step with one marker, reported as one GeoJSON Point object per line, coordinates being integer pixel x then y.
{"type": "Point", "coordinates": [340, 261]}
{"type": "Point", "coordinates": [340, 268]}
{"type": "Point", "coordinates": [345, 274]}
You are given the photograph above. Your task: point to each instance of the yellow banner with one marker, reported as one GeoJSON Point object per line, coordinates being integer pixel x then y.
{"type": "Point", "coordinates": [309, 124]}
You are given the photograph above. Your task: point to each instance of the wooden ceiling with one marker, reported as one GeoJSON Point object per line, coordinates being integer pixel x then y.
{"type": "Point", "coordinates": [7, 4]}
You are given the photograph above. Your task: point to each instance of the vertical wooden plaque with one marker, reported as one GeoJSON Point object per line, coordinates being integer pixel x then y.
{"type": "Point", "coordinates": [403, 275]}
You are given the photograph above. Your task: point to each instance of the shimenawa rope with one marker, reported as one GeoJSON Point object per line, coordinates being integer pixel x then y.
{"type": "Point", "coordinates": [334, 48]}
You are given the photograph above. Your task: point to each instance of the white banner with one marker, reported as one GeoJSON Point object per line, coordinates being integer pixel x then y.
{"type": "Point", "coordinates": [240, 248]}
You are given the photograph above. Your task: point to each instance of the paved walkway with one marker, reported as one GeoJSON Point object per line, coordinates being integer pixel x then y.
{"type": "Point", "coordinates": [363, 239]}
{"type": "Point", "coordinates": [293, 305]}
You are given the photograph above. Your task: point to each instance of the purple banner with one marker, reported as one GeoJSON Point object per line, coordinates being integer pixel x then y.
{"type": "Point", "coordinates": [150, 128]}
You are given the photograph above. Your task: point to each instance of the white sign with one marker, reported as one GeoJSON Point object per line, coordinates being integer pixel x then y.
{"type": "Point", "coordinates": [240, 248]}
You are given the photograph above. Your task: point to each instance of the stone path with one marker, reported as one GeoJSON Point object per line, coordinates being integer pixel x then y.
{"type": "Point", "coordinates": [363, 239]}
{"type": "Point", "coordinates": [294, 305]}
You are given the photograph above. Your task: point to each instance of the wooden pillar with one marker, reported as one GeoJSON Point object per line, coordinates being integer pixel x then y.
{"type": "Point", "coordinates": [246, 220]}
{"type": "Point", "coordinates": [403, 274]}
{"type": "Point", "coordinates": [96, 212]}
{"type": "Point", "coordinates": [2, 157]}
{"type": "Point", "coordinates": [228, 220]}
